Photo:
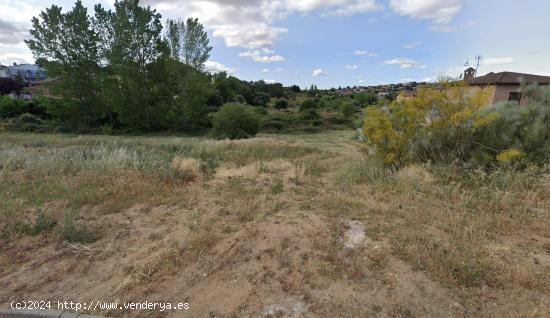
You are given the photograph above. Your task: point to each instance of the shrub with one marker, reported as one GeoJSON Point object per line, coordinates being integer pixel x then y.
{"type": "Point", "coordinates": [309, 104]}
{"type": "Point", "coordinates": [348, 109]}
{"type": "Point", "coordinates": [235, 121]}
{"type": "Point", "coordinates": [281, 103]}
{"type": "Point", "coordinates": [261, 99]}
{"type": "Point", "coordinates": [74, 233]}
{"type": "Point", "coordinates": [43, 223]}
{"type": "Point", "coordinates": [12, 108]}
{"type": "Point", "coordinates": [310, 114]}
{"type": "Point", "coordinates": [26, 122]}
{"type": "Point", "coordinates": [448, 126]}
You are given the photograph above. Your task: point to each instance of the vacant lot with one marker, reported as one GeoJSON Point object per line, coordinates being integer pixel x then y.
{"type": "Point", "coordinates": [276, 226]}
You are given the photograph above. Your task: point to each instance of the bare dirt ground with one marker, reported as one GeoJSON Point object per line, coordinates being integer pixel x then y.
{"type": "Point", "coordinates": [287, 237]}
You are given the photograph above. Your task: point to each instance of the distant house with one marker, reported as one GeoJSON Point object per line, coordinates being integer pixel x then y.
{"type": "Point", "coordinates": [504, 86]}
{"type": "Point", "coordinates": [27, 72]}
{"type": "Point", "coordinates": [405, 96]}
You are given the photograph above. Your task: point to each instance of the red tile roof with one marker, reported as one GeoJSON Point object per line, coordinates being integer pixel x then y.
{"type": "Point", "coordinates": [509, 78]}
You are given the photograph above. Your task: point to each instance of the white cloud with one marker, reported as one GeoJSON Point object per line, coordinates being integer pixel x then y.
{"type": "Point", "coordinates": [351, 67]}
{"type": "Point", "coordinates": [262, 56]}
{"type": "Point", "coordinates": [356, 7]}
{"type": "Point", "coordinates": [318, 72]}
{"type": "Point", "coordinates": [252, 23]}
{"type": "Point", "coordinates": [365, 53]}
{"type": "Point", "coordinates": [492, 61]}
{"type": "Point", "coordinates": [265, 70]}
{"type": "Point", "coordinates": [404, 63]}
{"type": "Point", "coordinates": [270, 81]}
{"type": "Point", "coordinates": [438, 11]}
{"type": "Point", "coordinates": [215, 67]}
{"type": "Point", "coordinates": [412, 45]}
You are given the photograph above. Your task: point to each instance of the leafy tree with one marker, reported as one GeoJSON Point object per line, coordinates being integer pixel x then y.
{"type": "Point", "coordinates": [134, 46]}
{"type": "Point", "coordinates": [365, 98]}
{"type": "Point", "coordinates": [228, 87]}
{"type": "Point", "coordinates": [191, 104]}
{"type": "Point", "coordinates": [295, 88]}
{"type": "Point", "coordinates": [276, 90]}
{"type": "Point", "coordinates": [261, 99]}
{"type": "Point", "coordinates": [188, 42]}
{"type": "Point", "coordinates": [67, 46]}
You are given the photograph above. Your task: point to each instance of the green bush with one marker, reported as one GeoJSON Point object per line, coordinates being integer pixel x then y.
{"type": "Point", "coordinates": [26, 122]}
{"type": "Point", "coordinates": [309, 114]}
{"type": "Point", "coordinates": [12, 108]}
{"type": "Point", "coordinates": [513, 133]}
{"type": "Point", "coordinates": [445, 126]}
{"type": "Point", "coordinates": [235, 121]}
{"type": "Point", "coordinates": [348, 109]}
{"type": "Point", "coordinates": [310, 103]}
{"type": "Point", "coordinates": [281, 103]}
{"type": "Point", "coordinates": [73, 233]}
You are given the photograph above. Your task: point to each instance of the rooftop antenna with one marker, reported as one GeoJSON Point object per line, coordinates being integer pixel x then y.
{"type": "Point", "coordinates": [479, 58]}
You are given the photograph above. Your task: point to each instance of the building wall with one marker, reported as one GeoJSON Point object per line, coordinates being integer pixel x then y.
{"type": "Point", "coordinates": [502, 94]}
{"type": "Point", "coordinates": [456, 93]}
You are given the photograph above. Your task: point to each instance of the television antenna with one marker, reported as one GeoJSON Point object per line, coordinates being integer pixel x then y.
{"type": "Point", "coordinates": [479, 58]}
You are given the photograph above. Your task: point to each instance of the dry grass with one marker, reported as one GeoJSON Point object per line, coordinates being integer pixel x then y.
{"type": "Point", "coordinates": [269, 214]}
{"type": "Point", "coordinates": [185, 169]}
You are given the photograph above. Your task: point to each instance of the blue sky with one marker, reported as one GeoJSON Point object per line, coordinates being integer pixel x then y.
{"type": "Point", "coordinates": [334, 43]}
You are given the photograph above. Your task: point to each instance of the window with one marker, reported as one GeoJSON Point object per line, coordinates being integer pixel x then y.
{"type": "Point", "coordinates": [515, 97]}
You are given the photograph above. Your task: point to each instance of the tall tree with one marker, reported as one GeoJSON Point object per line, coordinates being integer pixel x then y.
{"type": "Point", "coordinates": [67, 47]}
{"type": "Point", "coordinates": [188, 42]}
{"type": "Point", "coordinates": [131, 44]}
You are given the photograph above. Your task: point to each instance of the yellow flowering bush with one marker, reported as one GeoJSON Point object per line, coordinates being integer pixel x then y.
{"type": "Point", "coordinates": [453, 123]}
{"type": "Point", "coordinates": [510, 155]}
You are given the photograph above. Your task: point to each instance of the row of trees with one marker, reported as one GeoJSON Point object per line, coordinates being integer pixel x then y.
{"type": "Point", "coordinates": [120, 68]}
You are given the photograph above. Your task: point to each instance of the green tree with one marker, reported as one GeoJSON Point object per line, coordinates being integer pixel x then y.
{"type": "Point", "coordinates": [188, 42]}
{"type": "Point", "coordinates": [366, 98]}
{"type": "Point", "coordinates": [67, 46]}
{"type": "Point", "coordinates": [295, 88]}
{"type": "Point", "coordinates": [133, 47]}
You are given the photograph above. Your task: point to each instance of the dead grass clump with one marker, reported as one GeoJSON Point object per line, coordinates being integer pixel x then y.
{"type": "Point", "coordinates": [185, 169]}
{"type": "Point", "coordinates": [415, 174]}
{"type": "Point", "coordinates": [202, 240]}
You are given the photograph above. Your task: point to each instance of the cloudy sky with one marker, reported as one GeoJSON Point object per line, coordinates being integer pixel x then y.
{"type": "Point", "coordinates": [335, 43]}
